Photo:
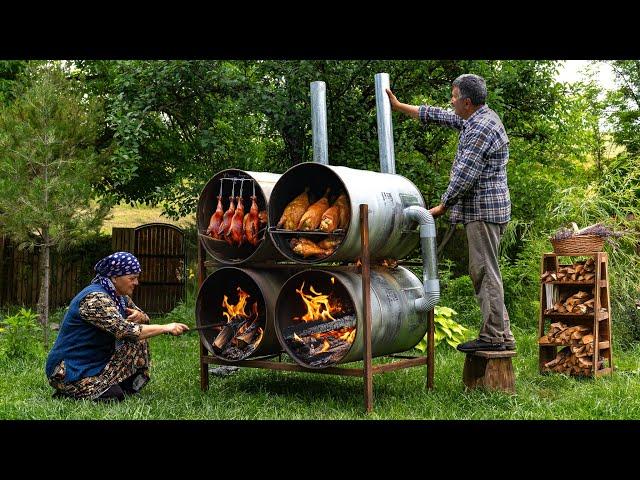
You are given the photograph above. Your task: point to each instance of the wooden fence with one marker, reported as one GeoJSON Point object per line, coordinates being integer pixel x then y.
{"type": "Point", "coordinates": [20, 274]}
{"type": "Point", "coordinates": [160, 248]}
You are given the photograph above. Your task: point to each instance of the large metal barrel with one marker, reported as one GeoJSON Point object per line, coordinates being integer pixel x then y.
{"type": "Point", "coordinates": [262, 287]}
{"type": "Point", "coordinates": [395, 325]}
{"type": "Point", "coordinates": [220, 250]}
{"type": "Point", "coordinates": [390, 234]}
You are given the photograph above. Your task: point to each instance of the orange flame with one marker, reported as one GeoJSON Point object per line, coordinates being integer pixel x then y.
{"type": "Point", "coordinates": [318, 305]}
{"type": "Point", "coordinates": [238, 308]}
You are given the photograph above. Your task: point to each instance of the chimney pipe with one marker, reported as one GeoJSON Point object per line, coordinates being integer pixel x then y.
{"type": "Point", "coordinates": [385, 126]}
{"type": "Point", "coordinates": [319, 122]}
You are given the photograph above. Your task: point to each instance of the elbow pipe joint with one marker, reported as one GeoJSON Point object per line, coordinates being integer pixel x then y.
{"type": "Point", "coordinates": [431, 284]}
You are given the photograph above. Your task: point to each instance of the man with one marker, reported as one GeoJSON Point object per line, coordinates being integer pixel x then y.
{"type": "Point", "coordinates": [478, 197]}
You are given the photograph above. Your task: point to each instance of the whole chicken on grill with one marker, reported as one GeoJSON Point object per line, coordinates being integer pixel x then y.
{"type": "Point", "coordinates": [216, 219]}
{"type": "Point", "coordinates": [252, 223]}
{"type": "Point", "coordinates": [308, 248]}
{"type": "Point", "coordinates": [236, 231]}
{"type": "Point", "coordinates": [330, 219]}
{"type": "Point", "coordinates": [311, 218]}
{"type": "Point", "coordinates": [345, 212]}
{"type": "Point", "coordinates": [226, 221]}
{"type": "Point", "coordinates": [294, 211]}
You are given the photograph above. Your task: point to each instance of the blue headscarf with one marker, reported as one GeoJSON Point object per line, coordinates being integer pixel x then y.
{"type": "Point", "coordinates": [115, 265]}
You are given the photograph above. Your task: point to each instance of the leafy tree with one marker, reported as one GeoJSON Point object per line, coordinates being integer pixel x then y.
{"type": "Point", "coordinates": [626, 104]}
{"type": "Point", "coordinates": [9, 71]}
{"type": "Point", "coordinates": [47, 164]}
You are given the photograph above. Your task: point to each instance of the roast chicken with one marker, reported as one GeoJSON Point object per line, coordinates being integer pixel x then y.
{"type": "Point", "coordinates": [215, 220]}
{"type": "Point", "coordinates": [311, 218]}
{"type": "Point", "coordinates": [330, 219]}
{"type": "Point", "coordinates": [345, 212]}
{"type": "Point", "coordinates": [252, 223]}
{"type": "Point", "coordinates": [294, 211]}
{"type": "Point", "coordinates": [226, 221]}
{"type": "Point", "coordinates": [236, 230]}
{"type": "Point", "coordinates": [262, 215]}
{"type": "Point", "coordinates": [329, 243]}
{"type": "Point", "coordinates": [308, 248]}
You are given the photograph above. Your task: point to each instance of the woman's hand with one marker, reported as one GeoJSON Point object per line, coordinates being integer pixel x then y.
{"type": "Point", "coordinates": [175, 328]}
{"type": "Point", "coordinates": [136, 316]}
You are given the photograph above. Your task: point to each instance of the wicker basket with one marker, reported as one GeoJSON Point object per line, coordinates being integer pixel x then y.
{"type": "Point", "coordinates": [578, 245]}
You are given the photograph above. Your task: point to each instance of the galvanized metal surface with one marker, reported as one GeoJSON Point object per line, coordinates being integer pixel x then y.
{"type": "Point", "coordinates": [385, 124]}
{"type": "Point", "coordinates": [391, 235]}
{"type": "Point", "coordinates": [319, 122]}
{"type": "Point", "coordinates": [395, 325]}
{"type": "Point", "coordinates": [220, 250]}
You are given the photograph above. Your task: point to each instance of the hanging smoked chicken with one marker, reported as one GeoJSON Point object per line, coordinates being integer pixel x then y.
{"type": "Point", "coordinates": [236, 231]}
{"type": "Point", "coordinates": [216, 219]}
{"type": "Point", "coordinates": [226, 221]}
{"type": "Point", "coordinates": [252, 222]}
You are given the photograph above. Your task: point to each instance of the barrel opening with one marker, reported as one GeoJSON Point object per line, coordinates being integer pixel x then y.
{"type": "Point", "coordinates": [233, 245]}
{"type": "Point", "coordinates": [314, 242]}
{"type": "Point", "coordinates": [315, 319]}
{"type": "Point", "coordinates": [231, 303]}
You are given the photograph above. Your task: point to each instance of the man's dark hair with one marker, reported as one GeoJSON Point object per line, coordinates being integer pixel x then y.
{"type": "Point", "coordinates": [472, 87]}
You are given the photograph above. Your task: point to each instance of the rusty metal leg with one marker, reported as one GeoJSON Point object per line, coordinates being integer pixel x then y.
{"type": "Point", "coordinates": [430, 348]}
{"type": "Point", "coordinates": [366, 299]}
{"type": "Point", "coordinates": [204, 367]}
{"type": "Point", "coordinates": [204, 370]}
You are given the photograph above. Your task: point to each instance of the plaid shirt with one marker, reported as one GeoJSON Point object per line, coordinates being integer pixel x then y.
{"type": "Point", "coordinates": [478, 184]}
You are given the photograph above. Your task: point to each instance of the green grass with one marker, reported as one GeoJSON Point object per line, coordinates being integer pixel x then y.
{"type": "Point", "coordinates": [174, 391]}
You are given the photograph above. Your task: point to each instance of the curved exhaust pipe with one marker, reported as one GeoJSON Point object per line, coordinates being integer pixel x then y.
{"type": "Point", "coordinates": [431, 284]}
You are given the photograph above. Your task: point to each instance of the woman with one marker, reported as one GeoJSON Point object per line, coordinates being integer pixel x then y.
{"type": "Point", "coordinates": [101, 352]}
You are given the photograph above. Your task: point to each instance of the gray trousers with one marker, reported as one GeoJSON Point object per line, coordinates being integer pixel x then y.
{"type": "Point", "coordinates": [484, 240]}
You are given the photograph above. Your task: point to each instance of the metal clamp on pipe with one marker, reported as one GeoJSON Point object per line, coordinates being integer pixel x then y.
{"type": "Point", "coordinates": [429, 257]}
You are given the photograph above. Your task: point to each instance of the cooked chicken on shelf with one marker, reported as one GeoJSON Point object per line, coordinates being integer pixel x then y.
{"type": "Point", "coordinates": [308, 248]}
{"type": "Point", "coordinates": [294, 211]}
{"type": "Point", "coordinates": [329, 243]}
{"type": "Point", "coordinates": [330, 219]}
{"type": "Point", "coordinates": [311, 218]}
{"type": "Point", "coordinates": [251, 223]}
{"type": "Point", "coordinates": [236, 231]}
{"type": "Point", "coordinates": [226, 221]}
{"type": "Point", "coordinates": [215, 220]}
{"type": "Point", "coordinates": [345, 212]}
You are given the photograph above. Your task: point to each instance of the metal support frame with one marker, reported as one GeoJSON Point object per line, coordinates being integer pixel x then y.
{"type": "Point", "coordinates": [368, 369]}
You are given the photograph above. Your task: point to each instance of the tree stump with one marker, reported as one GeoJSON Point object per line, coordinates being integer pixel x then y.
{"type": "Point", "coordinates": [490, 370]}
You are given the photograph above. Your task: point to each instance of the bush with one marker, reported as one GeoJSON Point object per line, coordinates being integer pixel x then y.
{"type": "Point", "coordinates": [20, 335]}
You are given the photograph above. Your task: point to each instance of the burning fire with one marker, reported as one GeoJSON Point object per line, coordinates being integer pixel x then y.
{"type": "Point", "coordinates": [322, 307]}
{"type": "Point", "coordinates": [238, 308]}
{"type": "Point", "coordinates": [318, 305]}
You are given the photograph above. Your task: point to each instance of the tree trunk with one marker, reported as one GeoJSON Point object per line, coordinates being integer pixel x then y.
{"type": "Point", "coordinates": [43, 300]}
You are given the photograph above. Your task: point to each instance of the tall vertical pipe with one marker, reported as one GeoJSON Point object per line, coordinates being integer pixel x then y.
{"type": "Point", "coordinates": [319, 122]}
{"type": "Point", "coordinates": [385, 126]}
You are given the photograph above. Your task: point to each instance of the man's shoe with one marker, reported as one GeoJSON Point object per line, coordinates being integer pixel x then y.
{"type": "Point", "coordinates": [477, 344]}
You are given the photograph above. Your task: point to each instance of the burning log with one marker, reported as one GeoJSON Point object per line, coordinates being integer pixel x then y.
{"type": "Point", "coordinates": [304, 329]}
